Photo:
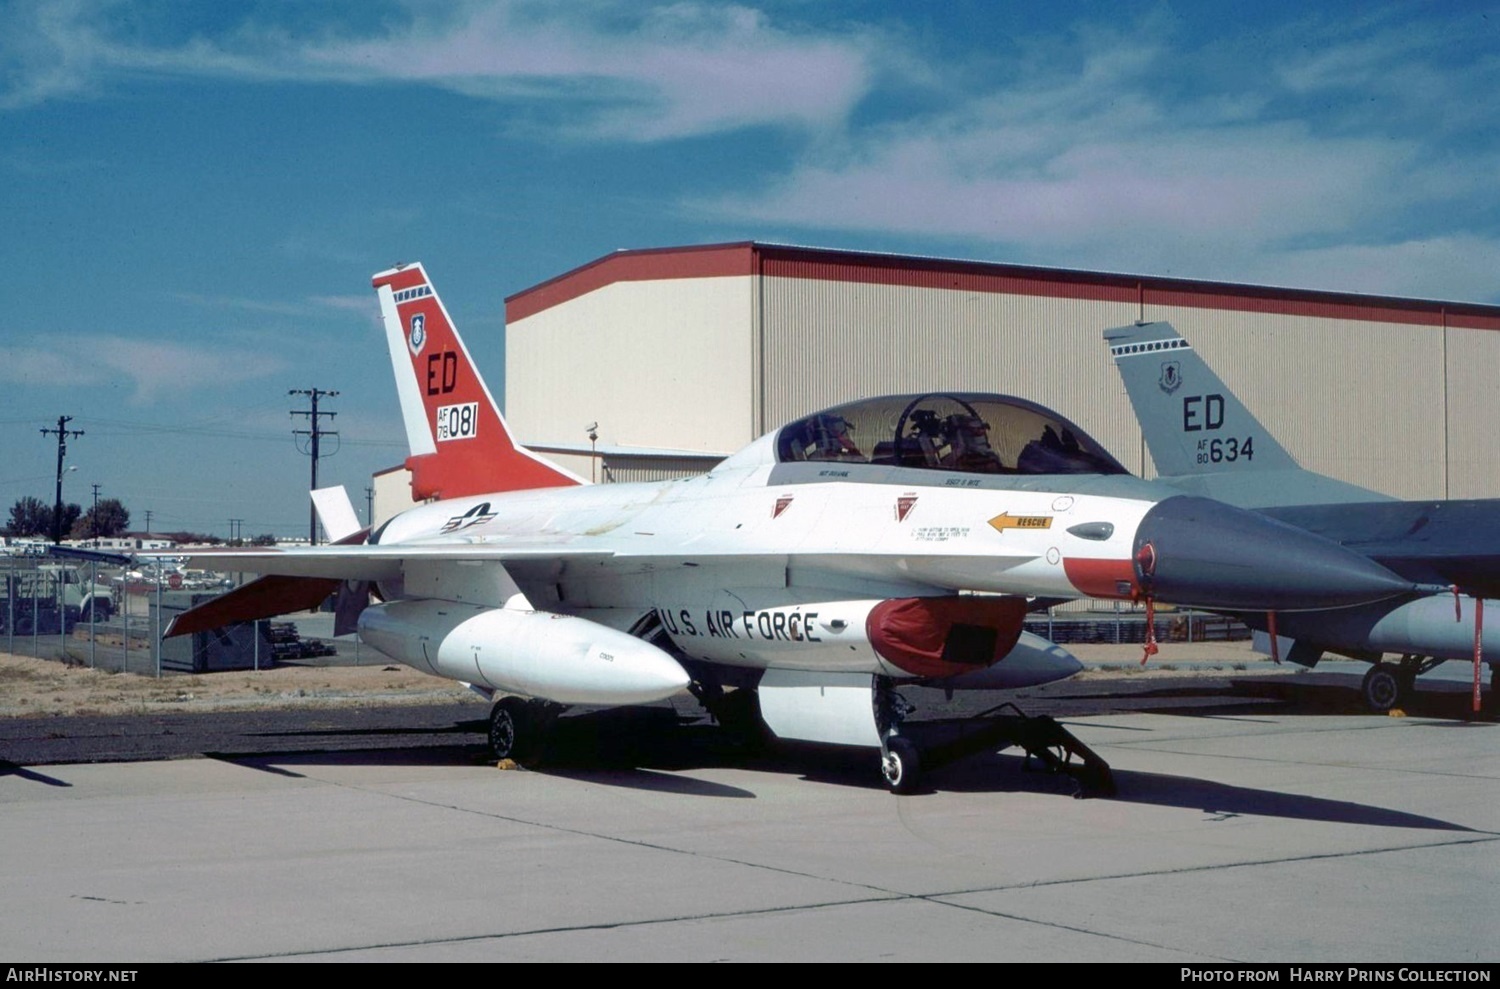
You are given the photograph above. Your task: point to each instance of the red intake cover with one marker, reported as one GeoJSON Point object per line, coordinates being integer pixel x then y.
{"type": "Point", "coordinates": [939, 637]}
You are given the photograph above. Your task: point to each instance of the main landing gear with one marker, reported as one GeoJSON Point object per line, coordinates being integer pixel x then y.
{"type": "Point", "coordinates": [1390, 685]}
{"type": "Point", "coordinates": [518, 728]}
{"type": "Point", "coordinates": [1041, 737]}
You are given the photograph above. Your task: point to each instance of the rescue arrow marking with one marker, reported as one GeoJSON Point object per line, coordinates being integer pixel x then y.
{"type": "Point", "coordinates": [1005, 520]}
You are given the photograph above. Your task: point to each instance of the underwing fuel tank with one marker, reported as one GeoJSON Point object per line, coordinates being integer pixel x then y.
{"type": "Point", "coordinates": [1428, 626]}
{"type": "Point", "coordinates": [560, 658]}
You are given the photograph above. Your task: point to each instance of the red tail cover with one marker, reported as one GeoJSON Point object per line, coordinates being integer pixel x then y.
{"type": "Point", "coordinates": [470, 449]}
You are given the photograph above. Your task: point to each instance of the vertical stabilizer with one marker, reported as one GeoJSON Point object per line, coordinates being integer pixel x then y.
{"type": "Point", "coordinates": [459, 442]}
{"type": "Point", "coordinates": [336, 513]}
{"type": "Point", "coordinates": [1192, 424]}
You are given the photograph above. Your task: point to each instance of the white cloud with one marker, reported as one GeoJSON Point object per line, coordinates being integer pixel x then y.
{"type": "Point", "coordinates": [1461, 268]}
{"type": "Point", "coordinates": [364, 305]}
{"type": "Point", "coordinates": [1121, 151]}
{"type": "Point", "coordinates": [612, 70]}
{"type": "Point", "coordinates": [1015, 182]}
{"type": "Point", "coordinates": [678, 70]}
{"type": "Point", "coordinates": [152, 369]}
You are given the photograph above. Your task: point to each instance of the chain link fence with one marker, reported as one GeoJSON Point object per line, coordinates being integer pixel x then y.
{"type": "Point", "coordinates": [89, 615]}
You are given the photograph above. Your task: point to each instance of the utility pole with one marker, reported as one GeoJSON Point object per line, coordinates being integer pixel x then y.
{"type": "Point", "coordinates": [148, 521]}
{"type": "Point", "coordinates": [314, 432]}
{"type": "Point", "coordinates": [63, 432]}
{"type": "Point", "coordinates": [369, 506]}
{"type": "Point", "coordinates": [94, 522]}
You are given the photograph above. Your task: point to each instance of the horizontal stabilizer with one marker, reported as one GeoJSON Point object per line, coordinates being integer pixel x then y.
{"type": "Point", "coordinates": [90, 555]}
{"type": "Point", "coordinates": [264, 597]}
{"type": "Point", "coordinates": [336, 513]}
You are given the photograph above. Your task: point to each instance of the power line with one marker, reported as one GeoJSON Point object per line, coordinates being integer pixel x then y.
{"type": "Point", "coordinates": [117, 427]}
{"type": "Point", "coordinates": [62, 433]}
{"type": "Point", "coordinates": [315, 432]}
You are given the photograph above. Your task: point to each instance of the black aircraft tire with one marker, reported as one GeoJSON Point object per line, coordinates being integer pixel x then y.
{"type": "Point", "coordinates": [900, 765]}
{"type": "Point", "coordinates": [1383, 688]}
{"type": "Point", "coordinates": [511, 729]}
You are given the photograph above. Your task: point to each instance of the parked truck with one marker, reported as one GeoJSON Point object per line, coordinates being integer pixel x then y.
{"type": "Point", "coordinates": [51, 599]}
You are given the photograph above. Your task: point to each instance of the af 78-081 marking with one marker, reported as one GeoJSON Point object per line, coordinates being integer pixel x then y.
{"type": "Point", "coordinates": [817, 569]}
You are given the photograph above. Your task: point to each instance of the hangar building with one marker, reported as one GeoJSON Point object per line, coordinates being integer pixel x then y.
{"type": "Point", "coordinates": [682, 355]}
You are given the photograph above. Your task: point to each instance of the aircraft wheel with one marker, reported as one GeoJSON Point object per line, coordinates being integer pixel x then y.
{"type": "Point", "coordinates": [1384, 687]}
{"type": "Point", "coordinates": [900, 765]}
{"type": "Point", "coordinates": [511, 728]}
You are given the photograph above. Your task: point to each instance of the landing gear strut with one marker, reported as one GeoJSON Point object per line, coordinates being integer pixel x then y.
{"type": "Point", "coordinates": [1041, 737]}
{"type": "Point", "coordinates": [900, 763]}
{"type": "Point", "coordinates": [737, 711]}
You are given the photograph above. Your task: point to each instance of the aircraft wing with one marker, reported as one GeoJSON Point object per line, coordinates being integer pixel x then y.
{"type": "Point", "coordinates": [299, 578]}
{"type": "Point", "coordinates": [376, 563]}
{"type": "Point", "coordinates": [1447, 542]}
{"type": "Point", "coordinates": [372, 562]}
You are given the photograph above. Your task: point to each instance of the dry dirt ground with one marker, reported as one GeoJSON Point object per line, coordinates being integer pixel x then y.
{"type": "Point", "coordinates": [39, 688]}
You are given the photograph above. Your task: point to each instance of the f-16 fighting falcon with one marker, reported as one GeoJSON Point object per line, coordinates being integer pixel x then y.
{"type": "Point", "coordinates": [1206, 443]}
{"type": "Point", "coordinates": [886, 541]}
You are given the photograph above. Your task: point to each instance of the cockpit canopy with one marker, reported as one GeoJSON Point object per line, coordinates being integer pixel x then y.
{"type": "Point", "coordinates": [970, 433]}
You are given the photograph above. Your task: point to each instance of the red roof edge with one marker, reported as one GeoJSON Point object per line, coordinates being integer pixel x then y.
{"type": "Point", "coordinates": [649, 264]}
{"type": "Point", "coordinates": [823, 264]}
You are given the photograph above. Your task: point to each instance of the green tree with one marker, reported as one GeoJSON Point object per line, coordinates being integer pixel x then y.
{"type": "Point", "coordinates": [111, 518]}
{"type": "Point", "coordinates": [29, 517]}
{"type": "Point", "coordinates": [33, 517]}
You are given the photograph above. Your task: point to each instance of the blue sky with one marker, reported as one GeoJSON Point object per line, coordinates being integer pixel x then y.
{"type": "Point", "coordinates": [194, 195]}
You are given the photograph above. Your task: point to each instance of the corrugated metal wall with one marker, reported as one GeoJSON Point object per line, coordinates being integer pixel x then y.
{"type": "Point", "coordinates": [626, 469]}
{"type": "Point", "coordinates": [1377, 393]}
{"type": "Point", "coordinates": [830, 341]}
{"type": "Point", "coordinates": [654, 363]}
{"type": "Point", "coordinates": [1377, 404]}
{"type": "Point", "coordinates": [1473, 413]}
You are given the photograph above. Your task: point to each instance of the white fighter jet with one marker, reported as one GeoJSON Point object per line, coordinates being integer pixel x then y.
{"type": "Point", "coordinates": [885, 541]}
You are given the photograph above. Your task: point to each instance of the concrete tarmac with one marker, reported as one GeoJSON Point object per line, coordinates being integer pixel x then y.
{"type": "Point", "coordinates": [1249, 836]}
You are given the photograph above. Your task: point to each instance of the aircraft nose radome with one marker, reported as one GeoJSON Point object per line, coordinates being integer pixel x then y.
{"type": "Point", "coordinates": [1198, 551]}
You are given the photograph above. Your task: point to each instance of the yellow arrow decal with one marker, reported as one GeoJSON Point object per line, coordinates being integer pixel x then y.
{"type": "Point", "coordinates": [1006, 520]}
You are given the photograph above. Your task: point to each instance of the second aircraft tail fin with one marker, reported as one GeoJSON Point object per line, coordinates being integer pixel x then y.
{"type": "Point", "coordinates": [1202, 437]}
{"type": "Point", "coordinates": [1192, 423]}
{"type": "Point", "coordinates": [459, 442]}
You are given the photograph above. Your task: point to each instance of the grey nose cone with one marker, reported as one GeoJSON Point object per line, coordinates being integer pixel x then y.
{"type": "Point", "coordinates": [1197, 551]}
